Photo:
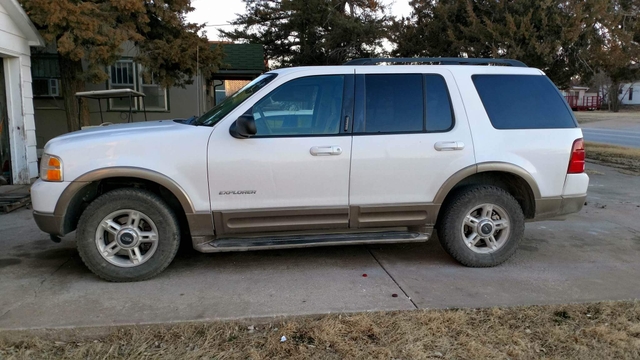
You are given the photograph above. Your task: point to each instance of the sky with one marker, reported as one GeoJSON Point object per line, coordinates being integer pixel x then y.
{"type": "Point", "coordinates": [220, 12]}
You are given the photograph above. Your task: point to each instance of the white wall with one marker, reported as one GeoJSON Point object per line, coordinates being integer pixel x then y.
{"type": "Point", "coordinates": [14, 49]}
{"type": "Point", "coordinates": [635, 98]}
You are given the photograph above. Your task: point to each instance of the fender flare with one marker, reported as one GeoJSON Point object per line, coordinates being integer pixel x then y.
{"type": "Point", "coordinates": [456, 178]}
{"type": "Point", "coordinates": [134, 172]}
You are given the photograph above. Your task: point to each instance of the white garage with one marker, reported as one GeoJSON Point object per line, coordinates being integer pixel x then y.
{"type": "Point", "coordinates": [18, 157]}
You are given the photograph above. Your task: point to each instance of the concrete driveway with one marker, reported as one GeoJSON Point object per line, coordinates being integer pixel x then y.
{"type": "Point", "coordinates": [591, 256]}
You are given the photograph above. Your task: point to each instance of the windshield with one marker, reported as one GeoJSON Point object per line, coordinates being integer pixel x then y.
{"type": "Point", "coordinates": [221, 110]}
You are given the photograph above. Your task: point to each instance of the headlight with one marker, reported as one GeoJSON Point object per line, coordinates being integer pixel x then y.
{"type": "Point", "coordinates": [51, 168]}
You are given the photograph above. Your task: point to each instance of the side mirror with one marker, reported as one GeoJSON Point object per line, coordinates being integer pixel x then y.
{"type": "Point", "coordinates": [244, 127]}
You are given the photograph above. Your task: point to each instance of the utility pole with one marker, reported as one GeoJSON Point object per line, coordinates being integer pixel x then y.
{"type": "Point", "coordinates": [198, 86]}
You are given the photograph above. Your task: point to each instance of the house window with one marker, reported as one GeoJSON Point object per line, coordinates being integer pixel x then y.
{"type": "Point", "coordinates": [126, 74]}
{"type": "Point", "coordinates": [45, 71]}
{"type": "Point", "coordinates": [226, 88]}
{"type": "Point", "coordinates": [155, 96]}
{"type": "Point", "coordinates": [630, 93]}
{"type": "Point", "coordinates": [123, 76]}
{"type": "Point", "coordinates": [220, 94]}
{"type": "Point", "coordinates": [46, 87]}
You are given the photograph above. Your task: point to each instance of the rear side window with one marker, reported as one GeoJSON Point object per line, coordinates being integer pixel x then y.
{"type": "Point", "coordinates": [439, 114]}
{"type": "Point", "coordinates": [393, 103]}
{"type": "Point", "coordinates": [523, 102]}
{"type": "Point", "coordinates": [402, 103]}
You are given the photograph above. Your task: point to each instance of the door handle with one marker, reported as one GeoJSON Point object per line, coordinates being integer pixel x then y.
{"type": "Point", "coordinates": [325, 150]}
{"type": "Point", "coordinates": [449, 145]}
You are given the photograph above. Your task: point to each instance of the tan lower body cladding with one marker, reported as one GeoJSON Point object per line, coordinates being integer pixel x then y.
{"type": "Point", "coordinates": [236, 222]}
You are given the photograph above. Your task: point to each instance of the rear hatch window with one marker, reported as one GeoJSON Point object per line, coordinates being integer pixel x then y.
{"type": "Point", "coordinates": [523, 102]}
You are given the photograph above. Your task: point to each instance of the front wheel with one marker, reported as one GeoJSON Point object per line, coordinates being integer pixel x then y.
{"type": "Point", "coordinates": [481, 226]}
{"type": "Point", "coordinates": [128, 235]}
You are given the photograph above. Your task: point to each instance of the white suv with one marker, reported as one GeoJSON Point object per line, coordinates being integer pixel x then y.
{"type": "Point", "coordinates": [331, 155]}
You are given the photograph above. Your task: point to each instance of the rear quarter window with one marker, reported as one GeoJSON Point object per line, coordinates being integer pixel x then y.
{"type": "Point", "coordinates": [523, 102]}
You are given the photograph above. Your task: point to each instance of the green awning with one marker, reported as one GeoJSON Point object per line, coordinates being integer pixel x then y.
{"type": "Point", "coordinates": [242, 57]}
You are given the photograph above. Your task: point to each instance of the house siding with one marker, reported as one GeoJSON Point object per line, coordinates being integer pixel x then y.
{"type": "Point", "coordinates": [635, 99]}
{"type": "Point", "coordinates": [51, 120]}
{"type": "Point", "coordinates": [14, 47]}
{"type": "Point", "coordinates": [50, 116]}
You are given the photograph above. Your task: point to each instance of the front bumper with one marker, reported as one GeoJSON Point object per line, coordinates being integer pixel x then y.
{"type": "Point", "coordinates": [49, 223]}
{"type": "Point", "coordinates": [45, 195]}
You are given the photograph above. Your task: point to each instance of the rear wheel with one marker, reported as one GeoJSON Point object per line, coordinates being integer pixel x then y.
{"type": "Point", "coordinates": [481, 226]}
{"type": "Point", "coordinates": [128, 235]}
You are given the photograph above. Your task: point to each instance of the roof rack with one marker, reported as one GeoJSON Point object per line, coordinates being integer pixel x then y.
{"type": "Point", "coordinates": [439, 60]}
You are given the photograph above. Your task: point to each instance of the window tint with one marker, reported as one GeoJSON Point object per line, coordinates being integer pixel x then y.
{"type": "Point", "coordinates": [393, 103]}
{"type": "Point", "coordinates": [439, 114]}
{"type": "Point", "coordinates": [523, 102]}
{"type": "Point", "coordinates": [304, 106]}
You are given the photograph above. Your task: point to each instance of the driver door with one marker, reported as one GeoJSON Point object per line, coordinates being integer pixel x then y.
{"type": "Point", "coordinates": [293, 174]}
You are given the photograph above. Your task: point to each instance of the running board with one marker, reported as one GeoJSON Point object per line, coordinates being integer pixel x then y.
{"type": "Point", "coordinates": [300, 241]}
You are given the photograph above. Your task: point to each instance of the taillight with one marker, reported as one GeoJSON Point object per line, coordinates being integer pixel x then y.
{"type": "Point", "coordinates": [576, 164]}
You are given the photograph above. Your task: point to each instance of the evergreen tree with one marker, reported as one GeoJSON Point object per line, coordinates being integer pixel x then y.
{"type": "Point", "coordinates": [540, 33]}
{"type": "Point", "coordinates": [312, 32]}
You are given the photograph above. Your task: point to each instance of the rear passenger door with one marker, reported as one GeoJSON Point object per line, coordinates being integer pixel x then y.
{"type": "Point", "coordinates": [410, 134]}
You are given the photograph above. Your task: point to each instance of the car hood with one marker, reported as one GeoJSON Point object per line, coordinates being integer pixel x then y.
{"type": "Point", "coordinates": [116, 130]}
{"type": "Point", "coordinates": [132, 137]}
{"type": "Point", "coordinates": [164, 146]}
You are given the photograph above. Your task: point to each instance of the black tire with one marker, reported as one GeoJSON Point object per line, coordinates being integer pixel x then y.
{"type": "Point", "coordinates": [454, 213]}
{"type": "Point", "coordinates": [140, 200]}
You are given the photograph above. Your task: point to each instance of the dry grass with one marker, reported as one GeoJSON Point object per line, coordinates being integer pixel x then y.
{"type": "Point", "coordinates": [584, 331]}
{"type": "Point", "coordinates": [593, 172]}
{"type": "Point", "coordinates": [621, 157]}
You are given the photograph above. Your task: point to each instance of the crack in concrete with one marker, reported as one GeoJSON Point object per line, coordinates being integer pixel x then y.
{"type": "Point", "coordinates": [392, 278]}
{"type": "Point", "coordinates": [47, 277]}
{"type": "Point", "coordinates": [35, 291]}
{"type": "Point", "coordinates": [8, 311]}
{"type": "Point", "coordinates": [627, 227]}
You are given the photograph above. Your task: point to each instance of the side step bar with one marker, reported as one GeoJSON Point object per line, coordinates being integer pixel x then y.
{"type": "Point", "coordinates": [300, 241]}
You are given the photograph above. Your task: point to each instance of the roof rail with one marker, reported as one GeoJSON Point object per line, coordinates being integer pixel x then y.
{"type": "Point", "coordinates": [439, 60]}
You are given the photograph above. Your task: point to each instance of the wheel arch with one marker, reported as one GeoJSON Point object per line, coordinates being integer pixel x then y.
{"type": "Point", "coordinates": [512, 178]}
{"type": "Point", "coordinates": [88, 186]}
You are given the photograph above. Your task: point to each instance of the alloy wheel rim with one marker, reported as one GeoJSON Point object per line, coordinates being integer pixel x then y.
{"type": "Point", "coordinates": [485, 228]}
{"type": "Point", "coordinates": [126, 238]}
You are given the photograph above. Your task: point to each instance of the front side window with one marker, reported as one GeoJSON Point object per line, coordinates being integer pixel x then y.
{"type": "Point", "coordinates": [523, 102]}
{"type": "Point", "coordinates": [221, 110]}
{"type": "Point", "coordinates": [304, 106]}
